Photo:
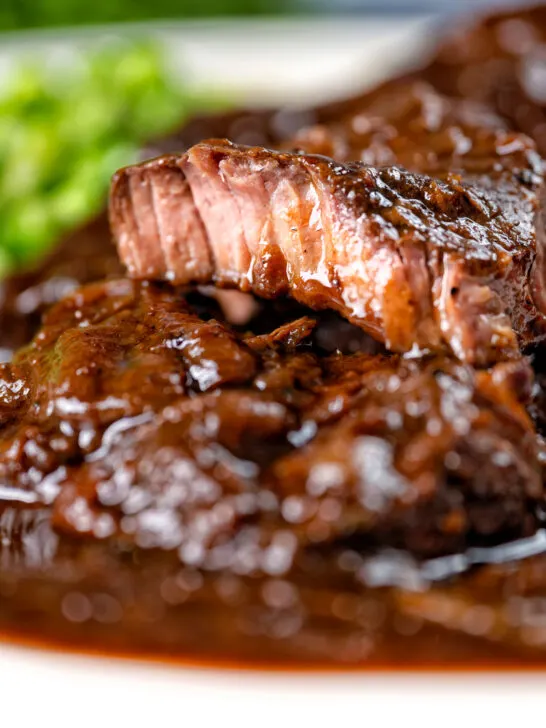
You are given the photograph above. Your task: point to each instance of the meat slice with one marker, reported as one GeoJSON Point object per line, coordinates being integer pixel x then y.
{"type": "Point", "coordinates": [419, 263]}
{"type": "Point", "coordinates": [132, 418]}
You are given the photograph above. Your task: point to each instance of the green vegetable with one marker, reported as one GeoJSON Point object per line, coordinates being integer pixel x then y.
{"type": "Point", "coordinates": [65, 130]}
{"type": "Point", "coordinates": [39, 13]}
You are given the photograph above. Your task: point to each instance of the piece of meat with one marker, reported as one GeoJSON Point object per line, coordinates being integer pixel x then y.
{"type": "Point", "coordinates": [84, 255]}
{"type": "Point", "coordinates": [88, 254]}
{"type": "Point", "coordinates": [132, 418]}
{"type": "Point", "coordinates": [346, 130]}
{"type": "Point", "coordinates": [498, 60]}
{"type": "Point", "coordinates": [411, 124]}
{"type": "Point", "coordinates": [407, 122]}
{"type": "Point", "coordinates": [417, 262]}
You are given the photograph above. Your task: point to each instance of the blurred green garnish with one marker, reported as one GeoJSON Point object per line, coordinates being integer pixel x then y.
{"type": "Point", "coordinates": [65, 129]}
{"type": "Point", "coordinates": [42, 13]}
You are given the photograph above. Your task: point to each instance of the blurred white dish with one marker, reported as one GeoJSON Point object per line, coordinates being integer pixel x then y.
{"type": "Point", "coordinates": [262, 62]}
{"type": "Point", "coordinates": [52, 689]}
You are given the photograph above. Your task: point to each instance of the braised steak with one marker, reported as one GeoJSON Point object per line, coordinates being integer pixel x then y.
{"type": "Point", "coordinates": [419, 263]}
{"type": "Point", "coordinates": [195, 471]}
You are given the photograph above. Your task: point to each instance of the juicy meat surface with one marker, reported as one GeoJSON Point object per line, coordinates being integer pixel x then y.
{"type": "Point", "coordinates": [498, 60]}
{"type": "Point", "coordinates": [133, 418]}
{"type": "Point", "coordinates": [418, 262]}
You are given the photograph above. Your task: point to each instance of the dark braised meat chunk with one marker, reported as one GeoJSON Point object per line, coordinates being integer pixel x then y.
{"type": "Point", "coordinates": [86, 254]}
{"type": "Point", "coordinates": [418, 263]}
{"type": "Point", "coordinates": [407, 122]}
{"type": "Point", "coordinates": [134, 419]}
{"type": "Point", "coordinates": [499, 61]}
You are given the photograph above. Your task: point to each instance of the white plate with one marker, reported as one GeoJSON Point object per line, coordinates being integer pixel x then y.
{"type": "Point", "coordinates": [50, 689]}
{"type": "Point", "coordinates": [274, 62]}
{"type": "Point", "coordinates": [260, 62]}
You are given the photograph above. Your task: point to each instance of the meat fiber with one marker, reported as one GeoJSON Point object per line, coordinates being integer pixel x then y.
{"type": "Point", "coordinates": [419, 263]}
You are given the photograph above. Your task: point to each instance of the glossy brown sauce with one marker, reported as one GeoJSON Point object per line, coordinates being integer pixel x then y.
{"type": "Point", "coordinates": [418, 576]}
{"type": "Point", "coordinates": [402, 631]}
{"type": "Point", "coordinates": [76, 572]}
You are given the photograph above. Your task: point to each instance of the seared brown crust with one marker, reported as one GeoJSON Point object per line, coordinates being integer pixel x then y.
{"type": "Point", "coordinates": [419, 263]}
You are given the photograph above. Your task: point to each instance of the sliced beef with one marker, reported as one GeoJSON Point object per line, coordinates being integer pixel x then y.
{"type": "Point", "coordinates": [500, 61]}
{"type": "Point", "coordinates": [418, 263]}
{"type": "Point", "coordinates": [404, 123]}
{"type": "Point", "coordinates": [389, 125]}
{"type": "Point", "coordinates": [132, 418]}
